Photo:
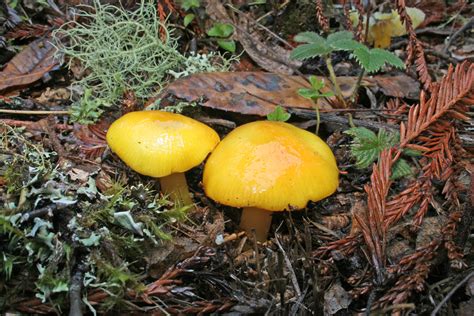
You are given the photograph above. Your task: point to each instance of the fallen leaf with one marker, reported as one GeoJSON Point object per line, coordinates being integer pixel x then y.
{"type": "Point", "coordinates": [336, 299]}
{"type": "Point", "coordinates": [271, 58]}
{"type": "Point", "coordinates": [258, 93]}
{"type": "Point", "coordinates": [252, 93]}
{"type": "Point", "coordinates": [31, 64]}
{"type": "Point", "coordinates": [400, 86]}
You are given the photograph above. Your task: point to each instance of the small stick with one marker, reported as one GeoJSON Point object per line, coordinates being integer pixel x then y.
{"type": "Point", "coordinates": [28, 112]}
{"type": "Point", "coordinates": [456, 34]}
{"type": "Point", "coordinates": [293, 277]}
{"type": "Point", "coordinates": [453, 290]}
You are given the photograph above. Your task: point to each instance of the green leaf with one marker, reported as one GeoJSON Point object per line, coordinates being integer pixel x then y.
{"type": "Point", "coordinates": [314, 92]}
{"type": "Point", "coordinates": [221, 30]}
{"type": "Point", "coordinates": [228, 45]}
{"type": "Point", "coordinates": [188, 19]}
{"type": "Point", "coordinates": [316, 83]}
{"type": "Point", "coordinates": [400, 169]}
{"type": "Point", "coordinates": [188, 4]}
{"type": "Point", "coordinates": [339, 36]}
{"type": "Point", "coordinates": [306, 51]}
{"type": "Point", "coordinates": [412, 152]}
{"type": "Point", "coordinates": [347, 45]}
{"type": "Point", "coordinates": [362, 56]}
{"type": "Point", "coordinates": [309, 37]}
{"type": "Point", "coordinates": [308, 93]}
{"type": "Point", "coordinates": [367, 146]}
{"type": "Point", "coordinates": [279, 114]}
{"type": "Point", "coordinates": [388, 57]}
{"type": "Point", "coordinates": [374, 59]}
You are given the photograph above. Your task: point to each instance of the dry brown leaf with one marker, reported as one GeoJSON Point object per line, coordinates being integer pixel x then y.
{"type": "Point", "coordinates": [257, 93]}
{"type": "Point", "coordinates": [271, 58]}
{"type": "Point", "coordinates": [399, 86]}
{"type": "Point", "coordinates": [253, 93]}
{"type": "Point", "coordinates": [30, 65]}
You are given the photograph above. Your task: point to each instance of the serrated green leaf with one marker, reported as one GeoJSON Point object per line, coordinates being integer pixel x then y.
{"type": "Point", "coordinates": [309, 37]}
{"type": "Point", "coordinates": [367, 146]}
{"type": "Point", "coordinates": [400, 169]}
{"type": "Point", "coordinates": [306, 51]}
{"type": "Point", "coordinates": [221, 30]}
{"type": "Point", "coordinates": [362, 56]}
{"type": "Point", "coordinates": [374, 59]}
{"type": "Point", "coordinates": [347, 45]}
{"type": "Point", "coordinates": [228, 45]}
{"type": "Point", "coordinates": [388, 57]}
{"type": "Point", "coordinates": [361, 133]}
{"type": "Point", "coordinates": [188, 19]}
{"type": "Point", "coordinates": [279, 114]}
{"type": "Point", "coordinates": [339, 36]}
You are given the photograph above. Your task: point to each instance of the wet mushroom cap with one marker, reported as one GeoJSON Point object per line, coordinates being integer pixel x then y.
{"type": "Point", "coordinates": [270, 165]}
{"type": "Point", "coordinates": [157, 144]}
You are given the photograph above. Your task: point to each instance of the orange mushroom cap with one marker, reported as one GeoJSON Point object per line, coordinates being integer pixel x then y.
{"type": "Point", "coordinates": [270, 165]}
{"type": "Point", "coordinates": [157, 143]}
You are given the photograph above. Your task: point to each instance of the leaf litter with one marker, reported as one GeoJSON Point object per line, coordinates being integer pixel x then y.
{"type": "Point", "coordinates": [94, 237]}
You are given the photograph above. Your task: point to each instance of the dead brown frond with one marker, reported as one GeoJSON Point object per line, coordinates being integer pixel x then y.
{"type": "Point", "coordinates": [346, 21]}
{"type": "Point", "coordinates": [371, 222]}
{"type": "Point", "coordinates": [322, 19]}
{"type": "Point", "coordinates": [413, 269]}
{"type": "Point", "coordinates": [395, 110]}
{"type": "Point", "coordinates": [455, 254]}
{"type": "Point", "coordinates": [360, 25]}
{"type": "Point", "coordinates": [403, 202]}
{"type": "Point", "coordinates": [415, 49]}
{"type": "Point", "coordinates": [448, 99]}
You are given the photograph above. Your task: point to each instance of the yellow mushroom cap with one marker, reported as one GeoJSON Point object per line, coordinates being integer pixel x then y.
{"type": "Point", "coordinates": [270, 165]}
{"type": "Point", "coordinates": [157, 144]}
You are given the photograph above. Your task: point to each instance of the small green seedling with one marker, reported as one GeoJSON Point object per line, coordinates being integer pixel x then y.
{"type": "Point", "coordinates": [371, 60]}
{"type": "Point", "coordinates": [189, 5]}
{"type": "Point", "coordinates": [279, 114]}
{"type": "Point", "coordinates": [366, 147]}
{"type": "Point", "coordinates": [221, 31]}
{"type": "Point", "coordinates": [314, 92]}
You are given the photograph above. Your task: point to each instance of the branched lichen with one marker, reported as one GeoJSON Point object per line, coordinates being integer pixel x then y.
{"type": "Point", "coordinates": [125, 51]}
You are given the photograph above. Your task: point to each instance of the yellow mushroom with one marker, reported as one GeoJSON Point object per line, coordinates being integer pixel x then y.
{"type": "Point", "coordinates": [162, 145]}
{"type": "Point", "coordinates": [269, 166]}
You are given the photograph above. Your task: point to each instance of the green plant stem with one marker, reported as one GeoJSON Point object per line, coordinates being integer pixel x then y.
{"type": "Point", "coordinates": [318, 118]}
{"type": "Point", "coordinates": [332, 76]}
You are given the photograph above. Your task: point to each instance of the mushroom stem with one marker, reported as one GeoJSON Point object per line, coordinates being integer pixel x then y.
{"type": "Point", "coordinates": [176, 187]}
{"type": "Point", "coordinates": [254, 218]}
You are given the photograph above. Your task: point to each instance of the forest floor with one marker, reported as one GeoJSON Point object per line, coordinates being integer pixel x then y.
{"type": "Point", "coordinates": [82, 233]}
